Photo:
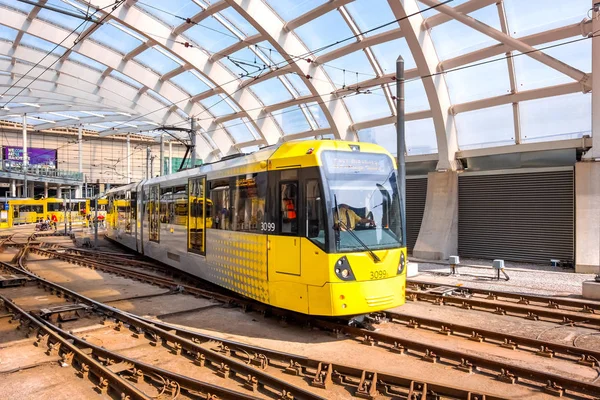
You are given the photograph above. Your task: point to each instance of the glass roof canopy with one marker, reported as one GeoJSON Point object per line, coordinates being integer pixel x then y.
{"type": "Point", "coordinates": [254, 72]}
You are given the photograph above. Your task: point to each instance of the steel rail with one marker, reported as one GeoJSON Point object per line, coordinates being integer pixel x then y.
{"type": "Point", "coordinates": [550, 301]}
{"type": "Point", "coordinates": [547, 349]}
{"type": "Point", "coordinates": [57, 345]}
{"type": "Point", "coordinates": [235, 367]}
{"type": "Point", "coordinates": [554, 383]}
{"type": "Point", "coordinates": [528, 311]}
{"type": "Point", "coordinates": [508, 372]}
{"type": "Point", "coordinates": [135, 365]}
{"type": "Point", "coordinates": [324, 373]}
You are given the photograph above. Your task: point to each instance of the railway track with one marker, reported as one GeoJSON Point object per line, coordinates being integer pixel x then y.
{"type": "Point", "coordinates": [244, 363]}
{"type": "Point", "coordinates": [551, 383]}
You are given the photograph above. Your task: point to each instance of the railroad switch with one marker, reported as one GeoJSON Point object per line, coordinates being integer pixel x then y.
{"type": "Point", "coordinates": [545, 352]}
{"type": "Point", "coordinates": [367, 388]}
{"type": "Point", "coordinates": [322, 378]}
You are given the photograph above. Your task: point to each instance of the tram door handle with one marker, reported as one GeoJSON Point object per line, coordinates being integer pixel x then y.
{"type": "Point", "coordinates": [268, 244]}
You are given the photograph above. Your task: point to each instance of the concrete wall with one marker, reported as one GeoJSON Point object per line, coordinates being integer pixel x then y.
{"type": "Point", "coordinates": [104, 159]}
{"type": "Point", "coordinates": [587, 217]}
{"type": "Point", "coordinates": [438, 237]}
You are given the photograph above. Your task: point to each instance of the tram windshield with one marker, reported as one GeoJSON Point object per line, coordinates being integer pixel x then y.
{"type": "Point", "coordinates": [364, 193]}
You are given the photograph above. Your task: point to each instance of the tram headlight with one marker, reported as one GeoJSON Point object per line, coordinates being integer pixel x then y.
{"type": "Point", "coordinates": [343, 271]}
{"type": "Point", "coordinates": [402, 264]}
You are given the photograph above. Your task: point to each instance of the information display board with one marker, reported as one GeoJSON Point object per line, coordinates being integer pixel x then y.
{"type": "Point", "coordinates": [37, 157]}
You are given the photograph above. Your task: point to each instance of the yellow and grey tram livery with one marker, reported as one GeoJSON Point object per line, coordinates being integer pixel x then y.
{"type": "Point", "coordinates": [309, 226]}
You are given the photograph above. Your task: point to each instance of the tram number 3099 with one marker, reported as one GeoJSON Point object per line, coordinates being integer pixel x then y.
{"type": "Point", "coordinates": [267, 226]}
{"type": "Point", "coordinates": [379, 274]}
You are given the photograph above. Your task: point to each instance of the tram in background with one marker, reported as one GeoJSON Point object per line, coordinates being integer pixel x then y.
{"type": "Point", "coordinates": [27, 211]}
{"type": "Point", "coordinates": [76, 209]}
{"type": "Point", "coordinates": [309, 226]}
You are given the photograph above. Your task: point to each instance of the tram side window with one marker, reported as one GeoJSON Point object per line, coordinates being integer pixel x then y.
{"type": "Point", "coordinates": [315, 227]}
{"type": "Point", "coordinates": [219, 196]}
{"type": "Point", "coordinates": [249, 197]}
{"type": "Point", "coordinates": [197, 220]}
{"type": "Point", "coordinates": [166, 205]}
{"type": "Point", "coordinates": [289, 207]}
{"type": "Point", "coordinates": [152, 209]}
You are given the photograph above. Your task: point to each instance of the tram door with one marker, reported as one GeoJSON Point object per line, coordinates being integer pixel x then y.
{"type": "Point", "coordinates": [285, 248]}
{"type": "Point", "coordinates": [197, 222]}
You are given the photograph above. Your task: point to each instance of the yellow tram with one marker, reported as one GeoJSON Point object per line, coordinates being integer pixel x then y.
{"type": "Point", "coordinates": [76, 209]}
{"type": "Point", "coordinates": [309, 226]}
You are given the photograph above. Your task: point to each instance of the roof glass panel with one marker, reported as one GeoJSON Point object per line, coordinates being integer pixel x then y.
{"type": "Point", "coordinates": [73, 56]}
{"type": "Point", "coordinates": [534, 16]}
{"type": "Point", "coordinates": [41, 44]}
{"type": "Point", "coordinates": [16, 5]}
{"type": "Point", "coordinates": [368, 14]}
{"type": "Point", "coordinates": [549, 119]}
{"type": "Point", "coordinates": [158, 97]}
{"type": "Point", "coordinates": [271, 91]}
{"type": "Point", "coordinates": [114, 38]}
{"type": "Point", "coordinates": [58, 18]}
{"type": "Point", "coordinates": [172, 12]}
{"type": "Point", "coordinates": [325, 31]}
{"type": "Point", "coordinates": [217, 106]}
{"type": "Point", "coordinates": [190, 83]}
{"type": "Point", "coordinates": [298, 84]}
{"type": "Point", "coordinates": [532, 74]}
{"type": "Point", "coordinates": [454, 38]}
{"type": "Point", "coordinates": [156, 61]}
{"type": "Point", "coordinates": [387, 53]}
{"type": "Point", "coordinates": [318, 115]}
{"type": "Point", "coordinates": [415, 98]}
{"type": "Point", "coordinates": [384, 135]}
{"type": "Point", "coordinates": [290, 9]}
{"type": "Point", "coordinates": [427, 11]}
{"type": "Point", "coordinates": [49, 117]}
{"type": "Point", "coordinates": [350, 69]}
{"type": "Point", "coordinates": [292, 120]}
{"type": "Point", "coordinates": [475, 81]}
{"type": "Point", "coordinates": [124, 78]}
{"type": "Point", "coordinates": [240, 23]}
{"type": "Point", "coordinates": [212, 35]}
{"type": "Point", "coordinates": [8, 33]}
{"type": "Point", "coordinates": [485, 128]}
{"type": "Point", "coordinates": [365, 107]}
{"type": "Point", "coordinates": [238, 130]}
{"type": "Point", "coordinates": [420, 137]}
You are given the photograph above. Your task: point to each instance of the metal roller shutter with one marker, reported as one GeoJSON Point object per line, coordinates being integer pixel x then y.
{"type": "Point", "coordinates": [416, 194]}
{"type": "Point", "coordinates": [517, 216]}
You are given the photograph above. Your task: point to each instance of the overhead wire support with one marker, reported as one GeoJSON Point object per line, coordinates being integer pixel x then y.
{"type": "Point", "coordinates": [58, 10]}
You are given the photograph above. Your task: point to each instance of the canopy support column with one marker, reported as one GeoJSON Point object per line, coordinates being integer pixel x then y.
{"type": "Point", "coordinates": [25, 163]}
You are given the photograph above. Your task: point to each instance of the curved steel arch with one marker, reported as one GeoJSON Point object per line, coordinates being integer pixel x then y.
{"type": "Point", "coordinates": [288, 44]}
{"type": "Point", "coordinates": [421, 46]}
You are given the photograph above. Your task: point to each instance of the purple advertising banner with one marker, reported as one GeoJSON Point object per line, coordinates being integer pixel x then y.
{"type": "Point", "coordinates": [37, 157]}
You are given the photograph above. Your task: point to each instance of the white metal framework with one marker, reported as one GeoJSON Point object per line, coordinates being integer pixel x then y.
{"type": "Point", "coordinates": [482, 75]}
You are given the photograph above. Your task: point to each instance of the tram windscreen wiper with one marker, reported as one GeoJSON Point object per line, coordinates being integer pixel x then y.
{"type": "Point", "coordinates": [375, 258]}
